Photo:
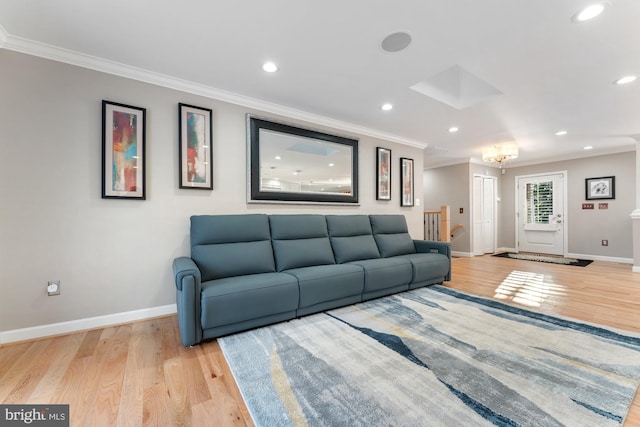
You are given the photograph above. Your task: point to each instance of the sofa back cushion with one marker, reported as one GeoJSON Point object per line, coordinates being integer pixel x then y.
{"type": "Point", "coordinates": [351, 238]}
{"type": "Point", "coordinates": [231, 245]}
{"type": "Point", "coordinates": [391, 235]}
{"type": "Point", "coordinates": [300, 241]}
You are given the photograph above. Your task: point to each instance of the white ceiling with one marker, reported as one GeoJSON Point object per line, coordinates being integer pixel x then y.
{"type": "Point", "coordinates": [553, 74]}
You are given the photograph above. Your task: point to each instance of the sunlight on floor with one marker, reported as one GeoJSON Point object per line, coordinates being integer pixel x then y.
{"type": "Point", "coordinates": [530, 289]}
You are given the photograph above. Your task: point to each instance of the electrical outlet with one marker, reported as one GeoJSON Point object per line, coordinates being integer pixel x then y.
{"type": "Point", "coordinates": [53, 288]}
{"type": "Point", "coordinates": [605, 243]}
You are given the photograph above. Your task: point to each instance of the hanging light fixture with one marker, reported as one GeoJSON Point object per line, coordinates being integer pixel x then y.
{"type": "Point", "coordinates": [500, 153]}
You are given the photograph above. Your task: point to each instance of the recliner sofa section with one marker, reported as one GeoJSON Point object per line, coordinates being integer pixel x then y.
{"type": "Point", "coordinates": [247, 271]}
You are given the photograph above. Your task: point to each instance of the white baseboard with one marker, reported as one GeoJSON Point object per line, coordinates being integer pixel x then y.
{"type": "Point", "coordinates": [461, 254]}
{"type": "Point", "coordinates": [636, 269]}
{"type": "Point", "coordinates": [84, 324]}
{"type": "Point", "coordinates": [602, 258]}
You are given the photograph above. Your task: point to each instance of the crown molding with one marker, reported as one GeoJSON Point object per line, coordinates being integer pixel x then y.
{"type": "Point", "coordinates": [43, 50]}
{"type": "Point", "coordinates": [546, 160]}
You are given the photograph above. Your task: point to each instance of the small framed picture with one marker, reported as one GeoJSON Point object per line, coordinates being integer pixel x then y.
{"type": "Point", "coordinates": [600, 188]}
{"type": "Point", "coordinates": [383, 173]}
{"type": "Point", "coordinates": [196, 158]}
{"type": "Point", "coordinates": [123, 151]}
{"type": "Point", "coordinates": [406, 181]}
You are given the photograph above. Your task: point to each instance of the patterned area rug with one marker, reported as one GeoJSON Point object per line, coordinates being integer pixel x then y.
{"type": "Point", "coordinates": [545, 258]}
{"type": "Point", "coordinates": [435, 357]}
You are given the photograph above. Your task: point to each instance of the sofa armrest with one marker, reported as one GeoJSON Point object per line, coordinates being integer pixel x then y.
{"type": "Point", "coordinates": [188, 288]}
{"type": "Point", "coordinates": [444, 248]}
{"type": "Point", "coordinates": [184, 267]}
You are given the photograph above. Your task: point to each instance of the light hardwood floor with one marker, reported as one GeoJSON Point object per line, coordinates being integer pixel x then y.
{"type": "Point", "coordinates": [140, 374]}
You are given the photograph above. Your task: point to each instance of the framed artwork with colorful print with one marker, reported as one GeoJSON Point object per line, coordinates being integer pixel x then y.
{"type": "Point", "coordinates": [123, 151]}
{"type": "Point", "coordinates": [196, 158]}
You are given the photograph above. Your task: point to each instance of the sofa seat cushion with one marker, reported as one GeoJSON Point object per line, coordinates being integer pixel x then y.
{"type": "Point", "coordinates": [384, 273]}
{"type": "Point", "coordinates": [235, 299]}
{"type": "Point", "coordinates": [328, 282]}
{"type": "Point", "coordinates": [427, 267]}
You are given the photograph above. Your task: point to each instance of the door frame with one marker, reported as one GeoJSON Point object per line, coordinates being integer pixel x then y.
{"type": "Point", "coordinates": [565, 228]}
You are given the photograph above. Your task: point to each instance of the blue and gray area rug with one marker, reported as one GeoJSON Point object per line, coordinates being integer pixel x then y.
{"type": "Point", "coordinates": [435, 357]}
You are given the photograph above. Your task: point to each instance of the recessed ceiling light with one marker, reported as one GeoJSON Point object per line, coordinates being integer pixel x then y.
{"type": "Point", "coordinates": [561, 132]}
{"type": "Point", "coordinates": [453, 129]}
{"type": "Point", "coordinates": [387, 107]}
{"type": "Point", "coordinates": [588, 147]}
{"type": "Point", "coordinates": [590, 12]}
{"type": "Point", "coordinates": [625, 80]}
{"type": "Point", "coordinates": [270, 67]}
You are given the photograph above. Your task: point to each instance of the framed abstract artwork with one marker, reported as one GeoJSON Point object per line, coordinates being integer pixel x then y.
{"type": "Point", "coordinates": [406, 181]}
{"type": "Point", "coordinates": [195, 154]}
{"type": "Point", "coordinates": [383, 173]}
{"type": "Point", "coordinates": [123, 151]}
{"type": "Point", "coordinates": [600, 188]}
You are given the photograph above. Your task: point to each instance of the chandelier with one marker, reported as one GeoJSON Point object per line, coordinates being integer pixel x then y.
{"type": "Point", "coordinates": [500, 153]}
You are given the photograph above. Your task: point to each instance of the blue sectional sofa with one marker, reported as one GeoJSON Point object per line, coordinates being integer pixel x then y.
{"type": "Point", "coordinates": [252, 270]}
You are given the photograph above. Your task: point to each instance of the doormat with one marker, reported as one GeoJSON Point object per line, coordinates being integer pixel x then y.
{"type": "Point", "coordinates": [545, 258]}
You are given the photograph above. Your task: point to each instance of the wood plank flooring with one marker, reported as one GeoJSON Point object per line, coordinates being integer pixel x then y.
{"type": "Point", "coordinates": [139, 374]}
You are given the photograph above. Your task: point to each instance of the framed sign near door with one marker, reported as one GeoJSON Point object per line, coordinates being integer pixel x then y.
{"type": "Point", "coordinates": [600, 188]}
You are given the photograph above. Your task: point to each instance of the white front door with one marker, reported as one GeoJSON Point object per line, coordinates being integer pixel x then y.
{"type": "Point", "coordinates": [541, 215]}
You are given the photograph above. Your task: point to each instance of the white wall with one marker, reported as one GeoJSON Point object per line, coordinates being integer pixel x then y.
{"type": "Point", "coordinates": [115, 256]}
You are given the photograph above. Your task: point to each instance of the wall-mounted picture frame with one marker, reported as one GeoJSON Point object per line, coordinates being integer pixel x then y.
{"type": "Point", "coordinates": [195, 150]}
{"type": "Point", "coordinates": [603, 187]}
{"type": "Point", "coordinates": [123, 151]}
{"type": "Point", "coordinates": [383, 173]}
{"type": "Point", "coordinates": [406, 182]}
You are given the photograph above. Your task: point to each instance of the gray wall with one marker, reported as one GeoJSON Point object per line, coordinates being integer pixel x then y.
{"type": "Point", "coordinates": [114, 256]}
{"type": "Point", "coordinates": [586, 228]}
{"type": "Point", "coordinates": [451, 186]}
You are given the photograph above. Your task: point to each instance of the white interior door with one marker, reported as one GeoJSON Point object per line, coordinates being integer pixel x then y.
{"type": "Point", "coordinates": [541, 216]}
{"type": "Point", "coordinates": [484, 215]}
{"type": "Point", "coordinates": [488, 215]}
